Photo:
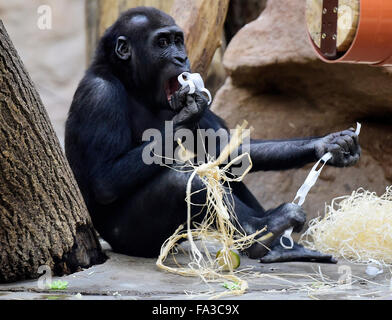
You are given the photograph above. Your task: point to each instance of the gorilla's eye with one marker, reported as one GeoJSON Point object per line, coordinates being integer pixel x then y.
{"type": "Point", "coordinates": [179, 40]}
{"type": "Point", "coordinates": [163, 42]}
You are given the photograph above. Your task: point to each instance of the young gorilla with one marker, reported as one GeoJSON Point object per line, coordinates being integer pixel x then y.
{"type": "Point", "coordinates": [131, 86]}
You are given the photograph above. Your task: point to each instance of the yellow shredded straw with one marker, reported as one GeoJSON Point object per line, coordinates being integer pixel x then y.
{"type": "Point", "coordinates": [357, 227]}
{"type": "Point", "coordinates": [219, 224]}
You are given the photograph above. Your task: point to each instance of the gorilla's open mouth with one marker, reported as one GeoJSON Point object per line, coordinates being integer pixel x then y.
{"type": "Point", "coordinates": [171, 86]}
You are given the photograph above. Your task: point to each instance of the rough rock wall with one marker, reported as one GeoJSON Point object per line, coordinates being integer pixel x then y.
{"type": "Point", "coordinates": [277, 83]}
{"type": "Point", "coordinates": [55, 59]}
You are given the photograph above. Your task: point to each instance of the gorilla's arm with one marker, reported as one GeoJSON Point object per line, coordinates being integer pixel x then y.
{"type": "Point", "coordinates": [287, 154]}
{"type": "Point", "coordinates": [120, 175]}
{"type": "Point", "coordinates": [99, 138]}
{"type": "Point", "coordinates": [295, 153]}
{"type": "Point", "coordinates": [281, 154]}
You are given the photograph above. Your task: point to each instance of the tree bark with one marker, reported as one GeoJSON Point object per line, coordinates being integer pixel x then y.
{"type": "Point", "coordinates": [240, 13]}
{"type": "Point", "coordinates": [43, 218]}
{"type": "Point", "coordinates": [201, 20]}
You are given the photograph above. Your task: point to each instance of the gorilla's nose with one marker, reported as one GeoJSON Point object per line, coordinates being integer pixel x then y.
{"type": "Point", "coordinates": [180, 60]}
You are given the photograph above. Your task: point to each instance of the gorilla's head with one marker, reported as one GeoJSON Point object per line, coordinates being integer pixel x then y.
{"type": "Point", "coordinates": [146, 51]}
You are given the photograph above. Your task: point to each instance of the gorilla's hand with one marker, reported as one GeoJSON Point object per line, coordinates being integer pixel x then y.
{"type": "Point", "coordinates": [343, 145]}
{"type": "Point", "coordinates": [190, 107]}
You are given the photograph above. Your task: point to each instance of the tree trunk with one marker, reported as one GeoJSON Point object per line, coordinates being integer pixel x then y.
{"type": "Point", "coordinates": [43, 218]}
{"type": "Point", "coordinates": [240, 13]}
{"type": "Point", "coordinates": [201, 20]}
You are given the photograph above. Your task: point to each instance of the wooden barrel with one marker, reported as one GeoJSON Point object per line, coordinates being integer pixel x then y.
{"type": "Point", "coordinates": [351, 31]}
{"type": "Point", "coordinates": [347, 15]}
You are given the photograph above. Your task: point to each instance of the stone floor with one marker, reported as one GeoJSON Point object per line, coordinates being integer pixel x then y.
{"type": "Point", "coordinates": [131, 278]}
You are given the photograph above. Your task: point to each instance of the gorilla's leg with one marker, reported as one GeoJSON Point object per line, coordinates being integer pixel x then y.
{"type": "Point", "coordinates": [277, 253]}
{"type": "Point", "coordinates": [243, 193]}
{"type": "Point", "coordinates": [297, 253]}
{"type": "Point", "coordinates": [141, 223]}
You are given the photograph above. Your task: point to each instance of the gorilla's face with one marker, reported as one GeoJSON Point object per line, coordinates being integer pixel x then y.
{"type": "Point", "coordinates": [170, 55]}
{"type": "Point", "coordinates": [154, 55]}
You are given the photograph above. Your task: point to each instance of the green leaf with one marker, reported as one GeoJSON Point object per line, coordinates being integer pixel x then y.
{"type": "Point", "coordinates": [231, 286]}
{"type": "Point", "coordinates": [58, 285]}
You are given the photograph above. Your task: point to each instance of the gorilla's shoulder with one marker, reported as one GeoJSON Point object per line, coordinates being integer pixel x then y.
{"type": "Point", "coordinates": [98, 92]}
{"type": "Point", "coordinates": [101, 83]}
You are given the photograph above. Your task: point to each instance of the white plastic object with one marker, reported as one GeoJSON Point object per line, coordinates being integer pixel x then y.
{"type": "Point", "coordinates": [303, 192]}
{"type": "Point", "coordinates": [305, 188]}
{"type": "Point", "coordinates": [287, 235]}
{"type": "Point", "coordinates": [372, 270]}
{"type": "Point", "coordinates": [358, 130]}
{"type": "Point", "coordinates": [194, 81]}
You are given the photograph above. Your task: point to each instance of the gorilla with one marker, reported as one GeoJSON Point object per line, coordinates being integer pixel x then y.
{"type": "Point", "coordinates": [131, 86]}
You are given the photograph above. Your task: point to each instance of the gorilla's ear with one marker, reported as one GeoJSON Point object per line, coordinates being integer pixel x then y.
{"type": "Point", "coordinates": [123, 48]}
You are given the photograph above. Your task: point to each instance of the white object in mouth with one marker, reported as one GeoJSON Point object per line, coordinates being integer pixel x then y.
{"type": "Point", "coordinates": [194, 81]}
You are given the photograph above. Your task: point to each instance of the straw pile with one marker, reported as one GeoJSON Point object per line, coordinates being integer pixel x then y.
{"type": "Point", "coordinates": [357, 227]}
{"type": "Point", "coordinates": [218, 225]}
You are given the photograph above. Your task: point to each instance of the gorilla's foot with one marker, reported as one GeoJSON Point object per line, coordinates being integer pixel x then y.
{"type": "Point", "coordinates": [297, 253]}
{"type": "Point", "coordinates": [277, 221]}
